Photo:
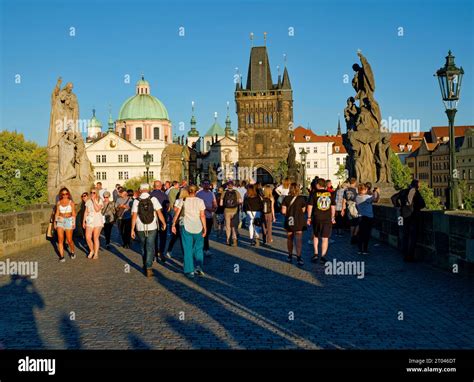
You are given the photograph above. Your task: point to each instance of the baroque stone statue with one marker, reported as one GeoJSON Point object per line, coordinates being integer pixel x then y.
{"type": "Point", "coordinates": [68, 164]}
{"type": "Point", "coordinates": [368, 147]}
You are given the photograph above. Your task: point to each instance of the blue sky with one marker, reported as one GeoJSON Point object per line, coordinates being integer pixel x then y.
{"type": "Point", "coordinates": [116, 38]}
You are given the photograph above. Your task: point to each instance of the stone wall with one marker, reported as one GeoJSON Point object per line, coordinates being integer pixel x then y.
{"type": "Point", "coordinates": [444, 238]}
{"type": "Point", "coordinates": [20, 231]}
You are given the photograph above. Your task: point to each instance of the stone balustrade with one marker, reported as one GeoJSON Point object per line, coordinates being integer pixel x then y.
{"type": "Point", "coordinates": [23, 230]}
{"type": "Point", "coordinates": [444, 238]}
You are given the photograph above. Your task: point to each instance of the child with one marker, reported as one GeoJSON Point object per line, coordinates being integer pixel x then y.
{"type": "Point", "coordinates": [366, 216]}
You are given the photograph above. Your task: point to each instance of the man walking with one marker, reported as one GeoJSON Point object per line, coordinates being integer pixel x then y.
{"type": "Point", "coordinates": [162, 233]}
{"type": "Point", "coordinates": [349, 207]}
{"type": "Point", "coordinates": [410, 202]}
{"type": "Point", "coordinates": [144, 218]}
{"type": "Point", "coordinates": [321, 215]}
{"type": "Point", "coordinates": [210, 203]}
{"type": "Point", "coordinates": [231, 202]}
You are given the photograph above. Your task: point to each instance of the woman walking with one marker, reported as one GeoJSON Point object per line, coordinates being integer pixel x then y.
{"type": "Point", "coordinates": [220, 223]}
{"type": "Point", "coordinates": [65, 222]}
{"type": "Point", "coordinates": [123, 206]}
{"type": "Point", "coordinates": [93, 223]}
{"type": "Point", "coordinates": [366, 216]}
{"type": "Point", "coordinates": [80, 216]}
{"type": "Point", "coordinates": [193, 232]}
{"type": "Point", "coordinates": [268, 213]}
{"type": "Point", "coordinates": [108, 212]}
{"type": "Point", "coordinates": [253, 207]}
{"type": "Point", "coordinates": [294, 207]}
{"type": "Point", "coordinates": [178, 211]}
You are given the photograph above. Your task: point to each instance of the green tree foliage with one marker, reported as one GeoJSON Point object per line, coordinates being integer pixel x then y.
{"type": "Point", "coordinates": [134, 183]}
{"type": "Point", "coordinates": [432, 202]}
{"type": "Point", "coordinates": [341, 173]}
{"type": "Point", "coordinates": [401, 175]}
{"type": "Point", "coordinates": [467, 196]}
{"type": "Point", "coordinates": [23, 172]}
{"type": "Point", "coordinates": [281, 171]}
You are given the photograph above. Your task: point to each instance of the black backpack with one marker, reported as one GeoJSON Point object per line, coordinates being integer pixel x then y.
{"type": "Point", "coordinates": [146, 211]}
{"type": "Point", "coordinates": [230, 199]}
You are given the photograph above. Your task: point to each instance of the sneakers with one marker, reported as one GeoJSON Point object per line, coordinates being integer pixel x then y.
{"type": "Point", "coordinates": [199, 272]}
{"type": "Point", "coordinates": [62, 259]}
{"type": "Point", "coordinates": [189, 275]}
{"type": "Point", "coordinates": [300, 261]}
{"type": "Point", "coordinates": [289, 258]}
{"type": "Point", "coordinates": [168, 255]}
{"type": "Point", "coordinates": [315, 258]}
{"type": "Point", "coordinates": [73, 256]}
{"type": "Point", "coordinates": [323, 260]}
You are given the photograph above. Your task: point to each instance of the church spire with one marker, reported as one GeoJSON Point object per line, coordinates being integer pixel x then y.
{"type": "Point", "coordinates": [193, 132]}
{"type": "Point", "coordinates": [111, 121]}
{"type": "Point", "coordinates": [228, 130]}
{"type": "Point", "coordinates": [286, 84]}
{"type": "Point", "coordinates": [339, 133]}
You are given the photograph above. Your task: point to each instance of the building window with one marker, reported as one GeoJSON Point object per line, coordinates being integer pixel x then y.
{"type": "Point", "coordinates": [156, 133]}
{"type": "Point", "coordinates": [338, 161]}
{"type": "Point", "coordinates": [125, 158]}
{"type": "Point", "coordinates": [124, 132]}
{"type": "Point", "coordinates": [97, 175]}
{"type": "Point", "coordinates": [336, 149]}
{"type": "Point", "coordinates": [315, 164]}
{"type": "Point", "coordinates": [97, 158]}
{"type": "Point", "coordinates": [138, 133]}
{"type": "Point", "coordinates": [150, 174]}
{"type": "Point", "coordinates": [125, 175]}
{"type": "Point", "coordinates": [308, 164]}
{"type": "Point", "coordinates": [104, 175]}
{"type": "Point", "coordinates": [315, 150]}
{"type": "Point", "coordinates": [120, 175]}
{"type": "Point", "coordinates": [120, 158]}
{"type": "Point", "coordinates": [104, 159]}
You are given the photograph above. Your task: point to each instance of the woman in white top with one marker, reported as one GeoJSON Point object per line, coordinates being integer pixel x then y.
{"type": "Point", "coordinates": [65, 222]}
{"type": "Point", "coordinates": [283, 190]}
{"type": "Point", "coordinates": [93, 223]}
{"type": "Point", "coordinates": [193, 231]}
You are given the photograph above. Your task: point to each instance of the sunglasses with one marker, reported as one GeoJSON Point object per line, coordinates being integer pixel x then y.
{"type": "Point", "coordinates": [93, 193]}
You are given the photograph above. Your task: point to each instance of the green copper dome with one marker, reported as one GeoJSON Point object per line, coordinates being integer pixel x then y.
{"type": "Point", "coordinates": [143, 106]}
{"type": "Point", "coordinates": [215, 129]}
{"type": "Point", "coordinates": [94, 122]}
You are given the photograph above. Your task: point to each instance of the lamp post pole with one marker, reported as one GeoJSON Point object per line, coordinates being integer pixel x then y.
{"type": "Point", "coordinates": [303, 162]}
{"type": "Point", "coordinates": [450, 79]}
{"type": "Point", "coordinates": [147, 160]}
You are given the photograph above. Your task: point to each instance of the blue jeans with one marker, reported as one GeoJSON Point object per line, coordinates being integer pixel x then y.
{"type": "Point", "coordinates": [147, 246]}
{"type": "Point", "coordinates": [193, 250]}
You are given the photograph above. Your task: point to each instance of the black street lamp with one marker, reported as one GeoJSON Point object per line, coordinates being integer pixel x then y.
{"type": "Point", "coordinates": [147, 160]}
{"type": "Point", "coordinates": [450, 79]}
{"type": "Point", "coordinates": [303, 162]}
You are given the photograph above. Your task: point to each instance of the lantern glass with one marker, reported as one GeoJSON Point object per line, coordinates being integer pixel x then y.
{"type": "Point", "coordinates": [450, 79]}
{"type": "Point", "coordinates": [303, 155]}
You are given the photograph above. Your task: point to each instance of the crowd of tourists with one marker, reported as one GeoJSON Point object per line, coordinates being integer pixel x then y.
{"type": "Point", "coordinates": [174, 212]}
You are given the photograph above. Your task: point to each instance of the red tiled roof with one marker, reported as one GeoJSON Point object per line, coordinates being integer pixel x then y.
{"type": "Point", "coordinates": [443, 131]}
{"type": "Point", "coordinates": [300, 133]}
{"type": "Point", "coordinates": [397, 140]}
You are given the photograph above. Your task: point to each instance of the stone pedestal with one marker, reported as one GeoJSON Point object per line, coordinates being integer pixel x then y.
{"type": "Point", "coordinates": [386, 191]}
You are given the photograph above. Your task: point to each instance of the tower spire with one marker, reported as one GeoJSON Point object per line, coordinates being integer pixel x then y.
{"type": "Point", "coordinates": [339, 133]}
{"type": "Point", "coordinates": [111, 121]}
{"type": "Point", "coordinates": [193, 132]}
{"type": "Point", "coordinates": [228, 130]}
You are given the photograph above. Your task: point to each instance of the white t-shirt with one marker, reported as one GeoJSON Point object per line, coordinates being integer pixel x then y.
{"type": "Point", "coordinates": [282, 191]}
{"type": "Point", "coordinates": [242, 191]}
{"type": "Point", "coordinates": [156, 206]}
{"type": "Point", "coordinates": [192, 214]}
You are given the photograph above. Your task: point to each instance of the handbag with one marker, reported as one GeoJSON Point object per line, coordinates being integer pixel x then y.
{"type": "Point", "coordinates": [50, 230]}
{"type": "Point", "coordinates": [257, 221]}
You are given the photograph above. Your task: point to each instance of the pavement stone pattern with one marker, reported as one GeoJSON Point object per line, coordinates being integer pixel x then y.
{"type": "Point", "coordinates": [249, 299]}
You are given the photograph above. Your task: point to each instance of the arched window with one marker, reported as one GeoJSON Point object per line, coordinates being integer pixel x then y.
{"type": "Point", "coordinates": [138, 133]}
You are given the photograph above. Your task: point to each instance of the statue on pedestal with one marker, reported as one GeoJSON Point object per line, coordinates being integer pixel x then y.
{"type": "Point", "coordinates": [68, 164]}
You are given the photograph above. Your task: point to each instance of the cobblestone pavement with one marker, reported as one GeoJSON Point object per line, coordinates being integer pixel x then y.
{"type": "Point", "coordinates": [250, 298]}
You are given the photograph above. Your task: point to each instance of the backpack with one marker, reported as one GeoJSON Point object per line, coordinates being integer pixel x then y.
{"type": "Point", "coordinates": [146, 211]}
{"type": "Point", "coordinates": [230, 199]}
{"type": "Point", "coordinates": [352, 209]}
{"type": "Point", "coordinates": [401, 200]}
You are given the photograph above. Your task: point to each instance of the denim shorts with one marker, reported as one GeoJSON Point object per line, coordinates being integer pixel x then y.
{"type": "Point", "coordinates": [64, 223]}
